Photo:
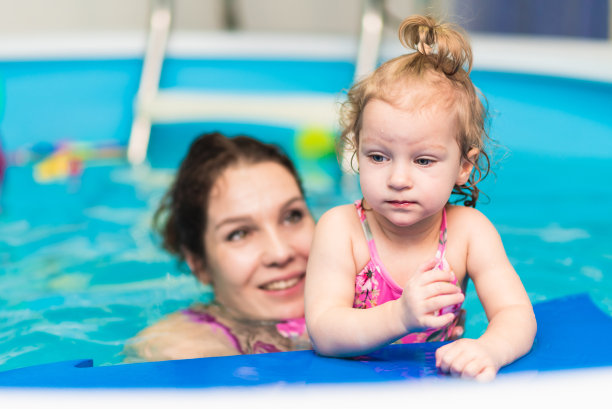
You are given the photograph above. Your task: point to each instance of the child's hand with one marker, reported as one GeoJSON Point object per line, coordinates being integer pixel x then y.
{"type": "Point", "coordinates": [428, 291]}
{"type": "Point", "coordinates": [467, 358]}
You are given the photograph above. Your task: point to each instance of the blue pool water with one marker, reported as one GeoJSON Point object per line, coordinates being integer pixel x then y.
{"type": "Point", "coordinates": [81, 272]}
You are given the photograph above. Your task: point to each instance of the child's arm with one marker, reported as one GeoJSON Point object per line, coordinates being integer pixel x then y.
{"type": "Point", "coordinates": [512, 324]}
{"type": "Point", "coordinates": [335, 327]}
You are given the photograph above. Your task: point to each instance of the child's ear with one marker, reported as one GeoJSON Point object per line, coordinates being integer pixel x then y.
{"type": "Point", "coordinates": [466, 166]}
{"type": "Point", "coordinates": [196, 265]}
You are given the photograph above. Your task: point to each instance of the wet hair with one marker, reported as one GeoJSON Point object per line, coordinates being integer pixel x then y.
{"type": "Point", "coordinates": [181, 217]}
{"type": "Point", "coordinates": [436, 74]}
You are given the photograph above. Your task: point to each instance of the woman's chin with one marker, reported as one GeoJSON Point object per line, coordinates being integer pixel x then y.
{"type": "Point", "coordinates": [286, 311]}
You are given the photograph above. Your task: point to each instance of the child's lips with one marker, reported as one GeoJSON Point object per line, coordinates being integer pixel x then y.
{"type": "Point", "coordinates": [400, 203]}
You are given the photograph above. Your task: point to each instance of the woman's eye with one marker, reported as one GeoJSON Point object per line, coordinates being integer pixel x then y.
{"type": "Point", "coordinates": [424, 161]}
{"type": "Point", "coordinates": [294, 216]}
{"type": "Point", "coordinates": [377, 158]}
{"type": "Point", "coordinates": [237, 235]}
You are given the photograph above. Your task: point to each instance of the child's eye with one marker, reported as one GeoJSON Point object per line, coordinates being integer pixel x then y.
{"type": "Point", "coordinates": [377, 158]}
{"type": "Point", "coordinates": [294, 216]}
{"type": "Point", "coordinates": [237, 235]}
{"type": "Point", "coordinates": [424, 161]}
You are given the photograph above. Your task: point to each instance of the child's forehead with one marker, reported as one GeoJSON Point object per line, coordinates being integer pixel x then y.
{"type": "Point", "coordinates": [414, 105]}
{"type": "Point", "coordinates": [415, 94]}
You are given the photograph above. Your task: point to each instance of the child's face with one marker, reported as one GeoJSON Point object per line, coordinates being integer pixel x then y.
{"type": "Point", "coordinates": [409, 161]}
{"type": "Point", "coordinates": [257, 241]}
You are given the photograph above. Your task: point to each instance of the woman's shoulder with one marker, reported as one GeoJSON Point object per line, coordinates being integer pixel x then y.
{"type": "Point", "coordinates": [180, 335]}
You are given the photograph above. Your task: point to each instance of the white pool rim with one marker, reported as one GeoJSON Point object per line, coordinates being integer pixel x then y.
{"type": "Point", "coordinates": [556, 56]}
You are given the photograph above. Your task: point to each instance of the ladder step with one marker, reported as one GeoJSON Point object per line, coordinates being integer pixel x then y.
{"type": "Point", "coordinates": [284, 109]}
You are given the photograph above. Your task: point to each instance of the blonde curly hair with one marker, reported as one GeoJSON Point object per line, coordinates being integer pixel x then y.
{"type": "Point", "coordinates": [440, 65]}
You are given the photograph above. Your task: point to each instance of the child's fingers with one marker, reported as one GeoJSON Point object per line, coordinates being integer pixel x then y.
{"type": "Point", "coordinates": [459, 358]}
{"type": "Point", "coordinates": [445, 356]}
{"type": "Point", "coordinates": [438, 302]}
{"type": "Point", "coordinates": [435, 275]}
{"type": "Point", "coordinates": [486, 375]}
{"type": "Point", "coordinates": [427, 266]}
{"type": "Point", "coordinates": [438, 321]}
{"type": "Point", "coordinates": [448, 354]}
{"type": "Point", "coordinates": [440, 288]}
{"type": "Point", "coordinates": [473, 368]}
{"type": "Point", "coordinates": [462, 361]}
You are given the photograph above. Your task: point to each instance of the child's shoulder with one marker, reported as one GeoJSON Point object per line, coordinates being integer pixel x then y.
{"type": "Point", "coordinates": [340, 214]}
{"type": "Point", "coordinates": [466, 217]}
{"type": "Point", "coordinates": [462, 211]}
{"type": "Point", "coordinates": [339, 221]}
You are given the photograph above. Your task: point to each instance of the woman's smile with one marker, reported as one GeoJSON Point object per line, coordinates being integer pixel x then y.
{"type": "Point", "coordinates": [284, 285]}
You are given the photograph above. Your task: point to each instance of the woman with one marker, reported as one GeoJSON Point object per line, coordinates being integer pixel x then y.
{"type": "Point", "coordinates": [236, 214]}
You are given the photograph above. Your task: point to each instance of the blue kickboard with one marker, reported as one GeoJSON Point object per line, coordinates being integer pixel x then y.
{"type": "Point", "coordinates": [572, 333]}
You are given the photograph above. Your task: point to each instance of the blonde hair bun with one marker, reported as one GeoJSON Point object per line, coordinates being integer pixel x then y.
{"type": "Point", "coordinates": [444, 43]}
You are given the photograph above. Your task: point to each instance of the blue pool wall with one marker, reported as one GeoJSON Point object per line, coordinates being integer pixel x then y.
{"type": "Point", "coordinates": [92, 101]}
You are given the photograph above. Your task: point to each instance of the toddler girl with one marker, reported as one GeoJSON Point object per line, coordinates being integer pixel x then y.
{"type": "Point", "coordinates": [394, 266]}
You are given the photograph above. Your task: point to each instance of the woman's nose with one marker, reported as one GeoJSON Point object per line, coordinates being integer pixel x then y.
{"type": "Point", "coordinates": [277, 248]}
{"type": "Point", "coordinates": [399, 177]}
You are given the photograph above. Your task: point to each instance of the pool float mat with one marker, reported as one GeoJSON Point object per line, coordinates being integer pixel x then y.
{"type": "Point", "coordinates": [572, 333]}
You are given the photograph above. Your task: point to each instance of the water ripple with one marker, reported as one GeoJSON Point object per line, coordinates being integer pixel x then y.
{"type": "Point", "coordinates": [553, 233]}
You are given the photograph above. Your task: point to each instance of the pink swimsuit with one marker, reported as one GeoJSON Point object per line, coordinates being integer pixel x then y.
{"type": "Point", "coordinates": [375, 286]}
{"type": "Point", "coordinates": [250, 336]}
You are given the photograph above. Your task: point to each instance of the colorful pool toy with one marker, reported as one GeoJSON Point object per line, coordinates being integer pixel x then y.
{"type": "Point", "coordinates": [67, 160]}
{"type": "Point", "coordinates": [315, 148]}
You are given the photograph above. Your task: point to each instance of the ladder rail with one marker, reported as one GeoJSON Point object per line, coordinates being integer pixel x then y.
{"type": "Point", "coordinates": [148, 89]}
{"type": "Point", "coordinates": [154, 105]}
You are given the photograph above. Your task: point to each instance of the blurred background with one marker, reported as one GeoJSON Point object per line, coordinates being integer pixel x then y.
{"type": "Point", "coordinates": [580, 18]}
{"type": "Point", "coordinates": [335, 30]}
{"type": "Point", "coordinates": [99, 100]}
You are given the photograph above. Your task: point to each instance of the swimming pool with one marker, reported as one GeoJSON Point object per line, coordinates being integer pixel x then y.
{"type": "Point", "coordinates": [81, 271]}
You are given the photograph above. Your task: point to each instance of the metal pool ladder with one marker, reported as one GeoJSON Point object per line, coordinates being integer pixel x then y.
{"type": "Point", "coordinates": [154, 105]}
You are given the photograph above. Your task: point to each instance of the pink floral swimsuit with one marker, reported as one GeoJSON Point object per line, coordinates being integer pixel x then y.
{"type": "Point", "coordinates": [375, 286]}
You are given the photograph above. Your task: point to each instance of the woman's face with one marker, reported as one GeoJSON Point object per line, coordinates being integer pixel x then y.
{"type": "Point", "coordinates": [257, 241]}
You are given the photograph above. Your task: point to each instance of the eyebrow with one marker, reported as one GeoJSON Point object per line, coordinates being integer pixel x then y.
{"type": "Point", "coordinates": [376, 146]}
{"type": "Point", "coordinates": [243, 219]}
{"type": "Point", "coordinates": [438, 147]}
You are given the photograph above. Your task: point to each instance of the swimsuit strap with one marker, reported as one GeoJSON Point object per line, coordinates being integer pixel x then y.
{"type": "Point", "coordinates": [372, 247]}
{"type": "Point", "coordinates": [206, 318]}
{"type": "Point", "coordinates": [366, 230]}
{"type": "Point", "coordinates": [362, 218]}
{"type": "Point", "coordinates": [442, 242]}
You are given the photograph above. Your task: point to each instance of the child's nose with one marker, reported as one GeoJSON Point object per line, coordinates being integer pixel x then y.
{"type": "Point", "coordinates": [400, 177]}
{"type": "Point", "coordinates": [277, 250]}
